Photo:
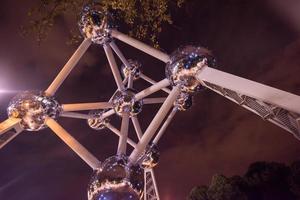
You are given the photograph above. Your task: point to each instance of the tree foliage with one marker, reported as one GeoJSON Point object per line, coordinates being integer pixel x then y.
{"type": "Point", "coordinates": [262, 181]}
{"type": "Point", "coordinates": [143, 18]}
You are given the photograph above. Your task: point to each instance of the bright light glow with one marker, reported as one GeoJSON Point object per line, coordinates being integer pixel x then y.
{"type": "Point", "coordinates": [8, 91]}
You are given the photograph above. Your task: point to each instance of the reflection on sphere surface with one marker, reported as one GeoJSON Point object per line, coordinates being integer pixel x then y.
{"type": "Point", "coordinates": [185, 64]}
{"type": "Point", "coordinates": [125, 102]}
{"type": "Point", "coordinates": [95, 23]}
{"type": "Point", "coordinates": [97, 122]}
{"type": "Point", "coordinates": [33, 108]}
{"type": "Point", "coordinates": [151, 157]}
{"type": "Point", "coordinates": [116, 181]}
{"type": "Point", "coordinates": [134, 69]}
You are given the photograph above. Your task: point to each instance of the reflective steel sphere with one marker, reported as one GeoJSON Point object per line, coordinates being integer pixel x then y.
{"type": "Point", "coordinates": [95, 23]}
{"type": "Point", "coordinates": [150, 158]}
{"type": "Point", "coordinates": [134, 69]}
{"type": "Point", "coordinates": [116, 181]}
{"type": "Point", "coordinates": [124, 102]}
{"type": "Point", "coordinates": [184, 65]}
{"type": "Point", "coordinates": [184, 101]}
{"type": "Point", "coordinates": [97, 122]}
{"type": "Point", "coordinates": [33, 108]}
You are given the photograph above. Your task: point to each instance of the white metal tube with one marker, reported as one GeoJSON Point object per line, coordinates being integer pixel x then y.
{"type": "Point", "coordinates": [118, 133]}
{"type": "Point", "coordinates": [154, 183]}
{"type": "Point", "coordinates": [4, 139]}
{"type": "Point", "coordinates": [124, 61]}
{"type": "Point", "coordinates": [75, 115]}
{"type": "Point", "coordinates": [119, 53]}
{"type": "Point", "coordinates": [80, 150]}
{"type": "Point", "coordinates": [141, 46]}
{"type": "Point", "coordinates": [115, 93]}
{"type": "Point", "coordinates": [122, 146]}
{"type": "Point", "coordinates": [255, 112]}
{"type": "Point", "coordinates": [145, 185]}
{"type": "Point", "coordinates": [125, 80]}
{"type": "Point", "coordinates": [152, 89]}
{"type": "Point", "coordinates": [297, 136]}
{"type": "Point", "coordinates": [137, 127]}
{"type": "Point", "coordinates": [149, 80]}
{"type": "Point", "coordinates": [252, 89]}
{"type": "Point", "coordinates": [165, 125]}
{"type": "Point", "coordinates": [86, 106]}
{"type": "Point", "coordinates": [113, 66]}
{"type": "Point", "coordinates": [154, 125]}
{"type": "Point", "coordinates": [68, 67]}
{"type": "Point", "coordinates": [154, 100]}
{"type": "Point", "coordinates": [108, 113]}
{"type": "Point", "coordinates": [8, 124]}
{"type": "Point", "coordinates": [130, 81]}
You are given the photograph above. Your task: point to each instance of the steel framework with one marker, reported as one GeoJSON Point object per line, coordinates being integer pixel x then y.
{"type": "Point", "coordinates": [187, 70]}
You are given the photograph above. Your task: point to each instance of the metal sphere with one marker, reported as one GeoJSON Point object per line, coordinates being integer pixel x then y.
{"type": "Point", "coordinates": [115, 180]}
{"type": "Point", "coordinates": [150, 158]}
{"type": "Point", "coordinates": [33, 108]}
{"type": "Point", "coordinates": [95, 23]}
{"type": "Point", "coordinates": [185, 64]}
{"type": "Point", "coordinates": [184, 101]}
{"type": "Point", "coordinates": [97, 122]}
{"type": "Point", "coordinates": [134, 69]}
{"type": "Point", "coordinates": [125, 102]}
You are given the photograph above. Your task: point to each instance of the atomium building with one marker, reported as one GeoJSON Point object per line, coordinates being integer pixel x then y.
{"type": "Point", "coordinates": [188, 70]}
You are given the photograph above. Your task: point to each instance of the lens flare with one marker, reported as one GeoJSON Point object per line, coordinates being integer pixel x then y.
{"type": "Point", "coordinates": [3, 91]}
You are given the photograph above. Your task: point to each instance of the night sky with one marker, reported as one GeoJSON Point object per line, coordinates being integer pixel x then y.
{"type": "Point", "coordinates": [255, 39]}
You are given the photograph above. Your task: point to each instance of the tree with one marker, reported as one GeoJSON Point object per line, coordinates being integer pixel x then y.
{"type": "Point", "coordinates": [142, 18]}
{"type": "Point", "coordinates": [262, 181]}
{"type": "Point", "coordinates": [199, 192]}
{"type": "Point", "coordinates": [295, 178]}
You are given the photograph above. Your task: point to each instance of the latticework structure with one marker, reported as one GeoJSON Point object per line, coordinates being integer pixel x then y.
{"type": "Point", "coordinates": [131, 176]}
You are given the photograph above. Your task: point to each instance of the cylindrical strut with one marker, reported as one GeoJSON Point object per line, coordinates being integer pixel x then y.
{"type": "Point", "coordinates": [141, 46]}
{"type": "Point", "coordinates": [154, 125]}
{"type": "Point", "coordinates": [152, 89]}
{"type": "Point", "coordinates": [113, 66]}
{"type": "Point", "coordinates": [122, 146]}
{"type": "Point", "coordinates": [68, 67]}
{"type": "Point", "coordinates": [80, 150]}
{"type": "Point", "coordinates": [86, 106]}
{"type": "Point", "coordinates": [165, 125]}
